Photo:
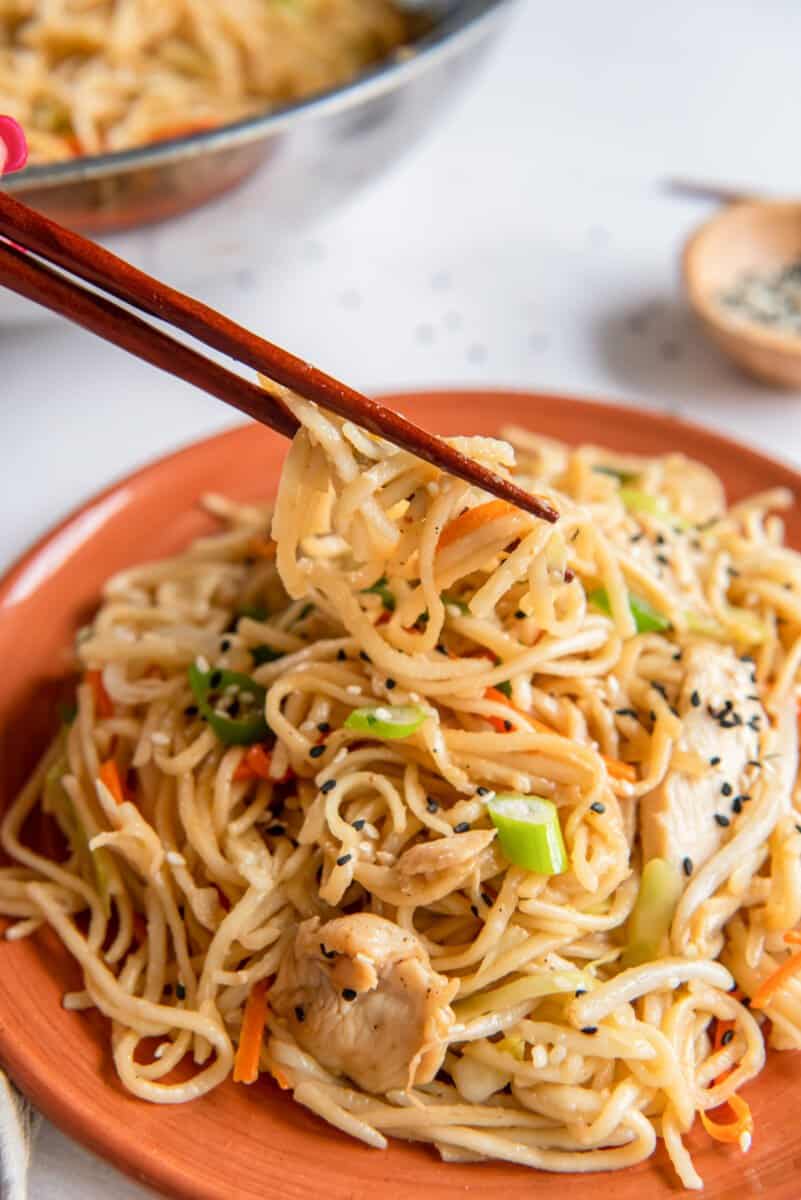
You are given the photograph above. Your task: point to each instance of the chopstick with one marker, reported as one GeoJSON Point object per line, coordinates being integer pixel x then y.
{"type": "Point", "coordinates": [33, 234]}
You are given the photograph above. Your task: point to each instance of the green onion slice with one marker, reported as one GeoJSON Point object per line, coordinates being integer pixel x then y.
{"type": "Point", "coordinates": [215, 688]}
{"type": "Point", "coordinates": [456, 602]}
{"type": "Point", "coordinates": [56, 801]}
{"type": "Point", "coordinates": [646, 617]}
{"type": "Point", "coordinates": [388, 721]}
{"type": "Point", "coordinates": [661, 886]}
{"type": "Point", "coordinates": [615, 472]}
{"type": "Point", "coordinates": [264, 654]}
{"type": "Point", "coordinates": [529, 832]}
{"type": "Point", "coordinates": [379, 588]}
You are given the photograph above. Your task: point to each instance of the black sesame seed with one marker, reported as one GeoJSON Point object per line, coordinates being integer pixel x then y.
{"type": "Point", "coordinates": [726, 789]}
{"type": "Point", "coordinates": [695, 700]}
{"type": "Point", "coordinates": [215, 679]}
{"type": "Point", "coordinates": [727, 1037]}
{"type": "Point", "coordinates": [432, 805]}
{"type": "Point", "coordinates": [590, 1029]}
{"type": "Point", "coordinates": [636, 537]}
{"type": "Point", "coordinates": [359, 823]}
{"type": "Point", "coordinates": [365, 657]}
{"type": "Point", "coordinates": [482, 791]}
{"type": "Point", "coordinates": [180, 991]}
{"type": "Point", "coordinates": [520, 615]}
{"type": "Point", "coordinates": [581, 992]}
{"type": "Point", "coordinates": [714, 760]}
{"type": "Point", "coordinates": [474, 910]}
{"type": "Point", "coordinates": [190, 710]}
{"type": "Point", "coordinates": [300, 1013]}
{"type": "Point", "coordinates": [225, 644]}
{"type": "Point", "coordinates": [390, 684]}
{"type": "Point", "coordinates": [598, 807]}
{"type": "Point", "coordinates": [341, 656]}
{"type": "Point", "coordinates": [348, 994]}
{"type": "Point", "coordinates": [462, 827]}
{"type": "Point", "coordinates": [328, 786]}
{"type": "Point", "coordinates": [660, 539]}
{"type": "Point", "coordinates": [687, 866]}
{"type": "Point", "coordinates": [626, 712]}
{"type": "Point", "coordinates": [316, 751]}
{"type": "Point", "coordinates": [663, 559]}
{"type": "Point", "coordinates": [343, 859]}
{"type": "Point", "coordinates": [722, 820]}
{"type": "Point", "coordinates": [798, 828]}
{"type": "Point", "coordinates": [487, 899]}
{"type": "Point", "coordinates": [677, 656]}
{"type": "Point", "coordinates": [276, 830]}
{"type": "Point", "coordinates": [323, 727]}
{"type": "Point", "coordinates": [327, 953]}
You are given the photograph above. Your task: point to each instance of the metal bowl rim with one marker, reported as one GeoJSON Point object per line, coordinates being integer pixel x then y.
{"type": "Point", "coordinates": [467, 22]}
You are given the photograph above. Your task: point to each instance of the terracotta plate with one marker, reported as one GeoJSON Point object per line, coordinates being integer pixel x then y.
{"type": "Point", "coordinates": [246, 1143]}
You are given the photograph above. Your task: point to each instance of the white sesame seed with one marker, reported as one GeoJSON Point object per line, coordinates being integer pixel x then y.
{"type": "Point", "coordinates": [353, 689]}
{"type": "Point", "coordinates": [339, 757]}
{"type": "Point", "coordinates": [160, 739]}
{"type": "Point", "coordinates": [175, 859]}
{"type": "Point", "coordinates": [202, 664]}
{"type": "Point", "coordinates": [161, 1049]}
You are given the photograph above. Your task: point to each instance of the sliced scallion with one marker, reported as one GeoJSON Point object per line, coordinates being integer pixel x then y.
{"type": "Point", "coordinates": [529, 832]}
{"type": "Point", "coordinates": [646, 617]}
{"type": "Point", "coordinates": [661, 886]}
{"type": "Point", "coordinates": [387, 720]}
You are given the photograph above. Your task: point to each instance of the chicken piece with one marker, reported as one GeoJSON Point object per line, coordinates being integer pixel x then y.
{"type": "Point", "coordinates": [688, 817]}
{"type": "Point", "coordinates": [444, 853]}
{"type": "Point", "coordinates": [360, 995]}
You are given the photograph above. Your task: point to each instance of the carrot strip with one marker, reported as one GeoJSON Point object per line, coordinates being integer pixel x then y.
{"type": "Point", "coordinates": [110, 776]}
{"type": "Point", "coordinates": [254, 764]}
{"type": "Point", "coordinates": [616, 768]}
{"type": "Point", "coordinates": [261, 547]}
{"type": "Point", "coordinates": [793, 937]}
{"type": "Point", "coordinates": [246, 1063]}
{"type": "Point", "coordinates": [473, 519]}
{"type": "Point", "coordinates": [768, 988]}
{"type": "Point", "coordinates": [281, 1079]}
{"type": "Point", "coordinates": [104, 705]}
{"type": "Point", "coordinates": [739, 1130]}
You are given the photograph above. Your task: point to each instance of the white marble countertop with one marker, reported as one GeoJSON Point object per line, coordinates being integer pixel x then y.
{"type": "Point", "coordinates": [528, 242]}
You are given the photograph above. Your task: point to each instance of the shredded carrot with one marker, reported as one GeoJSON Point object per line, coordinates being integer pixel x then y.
{"type": "Point", "coordinates": [281, 1079]}
{"type": "Point", "coordinates": [616, 768]}
{"type": "Point", "coordinates": [793, 937]}
{"type": "Point", "coordinates": [739, 1130]}
{"type": "Point", "coordinates": [254, 764]}
{"type": "Point", "coordinates": [104, 705]}
{"type": "Point", "coordinates": [246, 1063]}
{"type": "Point", "coordinates": [768, 988]}
{"type": "Point", "coordinates": [261, 547]}
{"type": "Point", "coordinates": [473, 519]}
{"type": "Point", "coordinates": [110, 775]}
{"type": "Point", "coordinates": [620, 770]}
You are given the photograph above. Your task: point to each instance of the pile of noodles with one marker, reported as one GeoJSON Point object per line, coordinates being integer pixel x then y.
{"type": "Point", "coordinates": [208, 876]}
{"type": "Point", "coordinates": [90, 78]}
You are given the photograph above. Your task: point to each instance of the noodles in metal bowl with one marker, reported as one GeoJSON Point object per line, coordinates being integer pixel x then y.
{"type": "Point", "coordinates": [457, 826]}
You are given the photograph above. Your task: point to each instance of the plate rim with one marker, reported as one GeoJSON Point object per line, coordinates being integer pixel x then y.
{"type": "Point", "coordinates": [147, 1167]}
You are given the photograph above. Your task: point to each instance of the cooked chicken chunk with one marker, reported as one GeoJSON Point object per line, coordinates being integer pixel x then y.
{"type": "Point", "coordinates": [688, 817]}
{"type": "Point", "coordinates": [360, 995]}
{"type": "Point", "coordinates": [445, 853]}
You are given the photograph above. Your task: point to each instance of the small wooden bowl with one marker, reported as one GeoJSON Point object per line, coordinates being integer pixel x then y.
{"type": "Point", "coordinates": [758, 236]}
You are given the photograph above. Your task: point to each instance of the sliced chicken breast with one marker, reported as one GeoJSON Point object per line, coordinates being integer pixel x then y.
{"type": "Point", "coordinates": [360, 995]}
{"type": "Point", "coordinates": [687, 817]}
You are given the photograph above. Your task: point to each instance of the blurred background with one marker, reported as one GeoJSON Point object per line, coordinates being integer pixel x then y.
{"type": "Point", "coordinates": [526, 238]}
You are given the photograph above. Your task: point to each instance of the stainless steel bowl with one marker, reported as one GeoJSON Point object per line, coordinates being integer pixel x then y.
{"type": "Point", "coordinates": [303, 159]}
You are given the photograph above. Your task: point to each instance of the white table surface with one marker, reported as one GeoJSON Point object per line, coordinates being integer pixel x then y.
{"type": "Point", "coordinates": [528, 242]}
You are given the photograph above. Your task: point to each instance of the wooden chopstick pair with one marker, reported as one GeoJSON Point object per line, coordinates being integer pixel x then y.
{"type": "Point", "coordinates": [38, 252]}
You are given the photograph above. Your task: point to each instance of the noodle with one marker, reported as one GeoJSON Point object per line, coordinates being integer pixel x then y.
{"type": "Point", "coordinates": [287, 764]}
{"type": "Point", "coordinates": [85, 79]}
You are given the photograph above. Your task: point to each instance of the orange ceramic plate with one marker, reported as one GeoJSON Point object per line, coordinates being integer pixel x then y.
{"type": "Point", "coordinates": [247, 1143]}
